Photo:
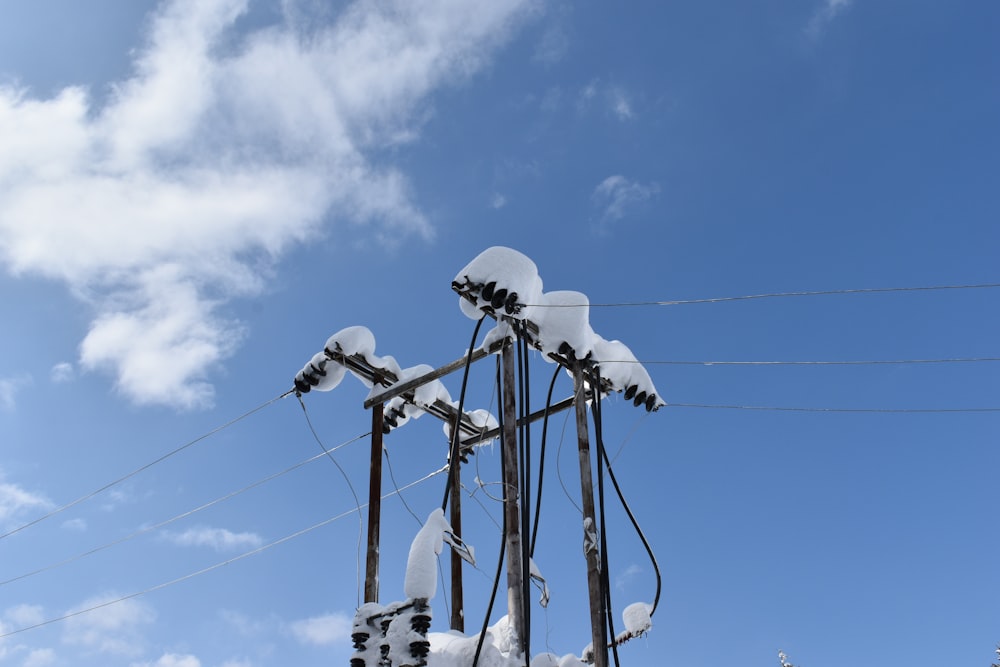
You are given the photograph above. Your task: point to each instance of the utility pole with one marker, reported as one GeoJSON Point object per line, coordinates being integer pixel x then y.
{"type": "Point", "coordinates": [512, 513]}
{"type": "Point", "coordinates": [455, 510]}
{"type": "Point", "coordinates": [374, 507]}
{"type": "Point", "coordinates": [591, 539]}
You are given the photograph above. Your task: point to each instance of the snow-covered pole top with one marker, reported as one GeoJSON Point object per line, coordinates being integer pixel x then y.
{"type": "Point", "coordinates": [504, 284]}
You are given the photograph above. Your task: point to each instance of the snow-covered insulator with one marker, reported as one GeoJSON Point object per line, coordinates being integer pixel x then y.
{"type": "Point", "coordinates": [487, 291]}
{"type": "Point", "coordinates": [651, 402]}
{"type": "Point", "coordinates": [630, 392]}
{"type": "Point", "coordinates": [639, 399]}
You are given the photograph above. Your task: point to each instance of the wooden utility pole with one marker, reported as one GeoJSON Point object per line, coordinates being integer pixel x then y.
{"type": "Point", "coordinates": [512, 512]}
{"type": "Point", "coordinates": [374, 507]}
{"type": "Point", "coordinates": [598, 620]}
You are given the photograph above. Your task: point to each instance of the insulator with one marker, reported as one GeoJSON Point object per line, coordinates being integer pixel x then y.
{"type": "Point", "coordinates": [498, 299]}
{"type": "Point", "coordinates": [566, 350]}
{"type": "Point", "coordinates": [640, 398]}
{"type": "Point", "coordinates": [630, 392]}
{"type": "Point", "coordinates": [301, 385]}
{"type": "Point", "coordinates": [650, 402]}
{"type": "Point", "coordinates": [420, 623]}
{"type": "Point", "coordinates": [487, 292]}
{"type": "Point", "coordinates": [357, 662]}
{"type": "Point", "coordinates": [420, 649]}
{"type": "Point", "coordinates": [319, 372]}
{"type": "Point", "coordinates": [511, 305]}
{"type": "Point", "coordinates": [359, 639]}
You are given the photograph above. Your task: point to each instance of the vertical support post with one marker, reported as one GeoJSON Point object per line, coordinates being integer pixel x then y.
{"type": "Point", "coordinates": [455, 511]}
{"type": "Point", "coordinates": [511, 514]}
{"type": "Point", "coordinates": [598, 621]}
{"type": "Point", "coordinates": [374, 506]}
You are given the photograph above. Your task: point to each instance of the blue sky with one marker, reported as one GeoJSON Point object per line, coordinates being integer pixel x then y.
{"type": "Point", "coordinates": [195, 195]}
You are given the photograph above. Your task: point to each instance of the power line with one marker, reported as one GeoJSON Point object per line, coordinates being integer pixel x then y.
{"type": "Point", "coordinates": [866, 362]}
{"type": "Point", "coordinates": [807, 409]}
{"type": "Point", "coordinates": [140, 469]}
{"type": "Point", "coordinates": [210, 568]}
{"type": "Point", "coordinates": [678, 302]}
{"type": "Point", "coordinates": [183, 515]}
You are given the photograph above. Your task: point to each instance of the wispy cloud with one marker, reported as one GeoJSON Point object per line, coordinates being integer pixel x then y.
{"type": "Point", "coordinates": [175, 195]}
{"type": "Point", "coordinates": [115, 629]}
{"type": "Point", "coordinates": [827, 11]}
{"type": "Point", "coordinates": [9, 387]}
{"type": "Point", "coordinates": [616, 196]}
{"type": "Point", "coordinates": [171, 660]}
{"type": "Point", "coordinates": [219, 539]}
{"type": "Point", "coordinates": [615, 99]}
{"type": "Point", "coordinates": [628, 575]}
{"type": "Point", "coordinates": [322, 630]}
{"type": "Point", "coordinates": [62, 372]}
{"type": "Point", "coordinates": [15, 501]}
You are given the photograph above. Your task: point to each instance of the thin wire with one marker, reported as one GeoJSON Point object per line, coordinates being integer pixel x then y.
{"type": "Point", "coordinates": [874, 290]}
{"type": "Point", "coordinates": [814, 363]}
{"type": "Point", "coordinates": [562, 483]}
{"type": "Point", "coordinates": [140, 469]}
{"type": "Point", "coordinates": [343, 473]}
{"type": "Point", "coordinates": [210, 568]}
{"type": "Point", "coordinates": [183, 515]}
{"type": "Point", "coordinates": [392, 476]}
{"type": "Point", "coordinates": [797, 409]}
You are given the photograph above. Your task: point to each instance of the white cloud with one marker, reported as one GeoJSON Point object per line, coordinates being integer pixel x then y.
{"type": "Point", "coordinates": [498, 201]}
{"type": "Point", "coordinates": [223, 150]}
{"type": "Point", "coordinates": [615, 99]}
{"type": "Point", "coordinates": [23, 615]}
{"type": "Point", "coordinates": [219, 539]}
{"type": "Point", "coordinates": [321, 630]}
{"type": "Point", "coordinates": [828, 11]}
{"type": "Point", "coordinates": [171, 660]}
{"type": "Point", "coordinates": [115, 628]}
{"type": "Point", "coordinates": [8, 390]}
{"type": "Point", "coordinates": [77, 525]}
{"type": "Point", "coordinates": [615, 196]}
{"type": "Point", "coordinates": [39, 657]}
{"type": "Point", "coordinates": [62, 372]}
{"type": "Point", "coordinates": [14, 501]}
{"type": "Point", "coordinates": [627, 576]}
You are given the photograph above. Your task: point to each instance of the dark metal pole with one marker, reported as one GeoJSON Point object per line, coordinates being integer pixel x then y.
{"type": "Point", "coordinates": [591, 541]}
{"type": "Point", "coordinates": [512, 518]}
{"type": "Point", "coordinates": [374, 507]}
{"type": "Point", "coordinates": [455, 509]}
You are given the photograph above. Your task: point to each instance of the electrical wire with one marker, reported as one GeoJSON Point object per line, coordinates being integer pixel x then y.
{"type": "Point", "coordinates": [503, 537]}
{"type": "Point", "coordinates": [541, 457]}
{"type": "Point", "coordinates": [609, 627]}
{"type": "Point", "coordinates": [343, 473]}
{"type": "Point", "coordinates": [453, 449]}
{"type": "Point", "coordinates": [183, 515]}
{"type": "Point", "coordinates": [88, 496]}
{"type": "Point", "coordinates": [678, 302]}
{"type": "Point", "coordinates": [210, 568]}
{"type": "Point", "coordinates": [872, 362]}
{"type": "Point", "coordinates": [859, 410]}
{"type": "Point", "coordinates": [392, 476]}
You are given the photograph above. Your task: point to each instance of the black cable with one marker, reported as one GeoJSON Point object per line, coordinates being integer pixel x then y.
{"type": "Point", "coordinates": [392, 476]}
{"type": "Point", "coordinates": [453, 449]}
{"type": "Point", "coordinates": [605, 566]}
{"type": "Point", "coordinates": [503, 538]}
{"type": "Point", "coordinates": [541, 457]}
{"type": "Point", "coordinates": [635, 523]}
{"type": "Point", "coordinates": [138, 470]}
{"type": "Point", "coordinates": [525, 492]}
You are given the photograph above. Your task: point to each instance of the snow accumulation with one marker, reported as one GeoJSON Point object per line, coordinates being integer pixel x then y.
{"type": "Point", "coordinates": [504, 283]}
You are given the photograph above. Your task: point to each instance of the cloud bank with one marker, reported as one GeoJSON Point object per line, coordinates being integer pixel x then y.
{"type": "Point", "coordinates": [224, 149]}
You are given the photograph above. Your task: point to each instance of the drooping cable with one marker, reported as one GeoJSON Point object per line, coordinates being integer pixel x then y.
{"type": "Point", "coordinates": [605, 563]}
{"type": "Point", "coordinates": [453, 449]}
{"type": "Point", "coordinates": [628, 510]}
{"type": "Point", "coordinates": [183, 515]}
{"type": "Point", "coordinates": [343, 473]}
{"type": "Point", "coordinates": [63, 508]}
{"type": "Point", "coordinates": [524, 495]}
{"type": "Point", "coordinates": [503, 537]}
{"type": "Point", "coordinates": [392, 476]}
{"type": "Point", "coordinates": [541, 458]}
{"type": "Point", "coordinates": [211, 568]}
